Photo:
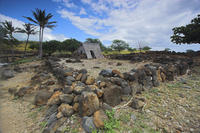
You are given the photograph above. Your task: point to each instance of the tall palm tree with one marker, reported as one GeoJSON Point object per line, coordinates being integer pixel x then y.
{"type": "Point", "coordinates": [29, 29]}
{"type": "Point", "coordinates": [9, 30]}
{"type": "Point", "coordinates": [42, 20]}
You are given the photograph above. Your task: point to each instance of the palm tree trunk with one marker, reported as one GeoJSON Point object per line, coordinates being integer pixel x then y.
{"type": "Point", "coordinates": [41, 41]}
{"type": "Point", "coordinates": [40, 47]}
{"type": "Point", "coordinates": [26, 46]}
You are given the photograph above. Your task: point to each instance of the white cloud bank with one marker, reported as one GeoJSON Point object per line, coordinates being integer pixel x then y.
{"type": "Point", "coordinates": [135, 20]}
{"type": "Point", "coordinates": [48, 35]}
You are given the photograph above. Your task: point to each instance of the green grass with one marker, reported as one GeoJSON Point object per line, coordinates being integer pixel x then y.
{"type": "Point", "coordinates": [112, 123]}
{"type": "Point", "coordinates": [43, 124]}
{"type": "Point", "coordinates": [24, 60]}
{"type": "Point", "coordinates": [121, 52]}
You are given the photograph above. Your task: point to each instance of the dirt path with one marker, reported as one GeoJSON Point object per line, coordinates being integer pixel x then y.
{"type": "Point", "coordinates": [13, 113]}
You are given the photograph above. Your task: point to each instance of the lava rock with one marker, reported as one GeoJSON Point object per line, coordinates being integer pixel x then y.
{"type": "Point", "coordinates": [88, 103]}
{"type": "Point", "coordinates": [88, 124]}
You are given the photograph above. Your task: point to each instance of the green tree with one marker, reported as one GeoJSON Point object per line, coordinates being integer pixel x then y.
{"type": "Point", "coordinates": [42, 20]}
{"type": "Point", "coordinates": [187, 34]}
{"type": "Point", "coordinates": [119, 45]}
{"type": "Point", "coordinates": [167, 49]}
{"type": "Point", "coordinates": [131, 49]}
{"type": "Point", "coordinates": [70, 45]}
{"type": "Point", "coordinates": [90, 40]}
{"type": "Point", "coordinates": [7, 33]}
{"type": "Point", "coordinates": [189, 51]}
{"type": "Point", "coordinates": [29, 29]}
{"type": "Point", "coordinates": [50, 47]}
{"type": "Point", "coordinates": [146, 48]}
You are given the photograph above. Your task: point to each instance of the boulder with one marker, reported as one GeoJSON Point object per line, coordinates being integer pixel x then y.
{"type": "Point", "coordinates": [55, 98]}
{"type": "Point", "coordinates": [88, 124]}
{"type": "Point", "coordinates": [88, 103]}
{"type": "Point", "coordinates": [90, 80]}
{"type": "Point", "coordinates": [106, 73]}
{"type": "Point", "coordinates": [66, 98]}
{"type": "Point", "coordinates": [112, 95]}
{"type": "Point", "coordinates": [66, 109]}
{"type": "Point", "coordinates": [99, 118]}
{"type": "Point", "coordinates": [7, 73]}
{"type": "Point", "coordinates": [68, 82]}
{"type": "Point", "coordinates": [42, 97]}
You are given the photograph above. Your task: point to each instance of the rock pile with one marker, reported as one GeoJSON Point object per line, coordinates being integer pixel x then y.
{"type": "Point", "coordinates": [89, 96]}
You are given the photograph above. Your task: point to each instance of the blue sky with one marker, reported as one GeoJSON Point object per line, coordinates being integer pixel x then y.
{"type": "Point", "coordinates": [148, 22]}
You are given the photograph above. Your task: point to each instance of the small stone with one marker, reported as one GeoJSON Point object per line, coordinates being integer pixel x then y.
{"type": "Point", "coordinates": [75, 107]}
{"type": "Point", "coordinates": [137, 104]}
{"type": "Point", "coordinates": [70, 78]}
{"type": "Point", "coordinates": [68, 74]}
{"type": "Point", "coordinates": [55, 99]}
{"type": "Point", "coordinates": [51, 110]}
{"type": "Point", "coordinates": [66, 109]}
{"type": "Point", "coordinates": [88, 124]}
{"type": "Point", "coordinates": [68, 82]}
{"type": "Point", "coordinates": [133, 117]}
{"type": "Point", "coordinates": [59, 115]}
{"type": "Point", "coordinates": [102, 84]}
{"type": "Point", "coordinates": [99, 118]}
{"type": "Point", "coordinates": [78, 78]}
{"type": "Point", "coordinates": [66, 98]}
{"type": "Point", "coordinates": [105, 106]}
{"type": "Point", "coordinates": [78, 89]}
{"type": "Point", "coordinates": [83, 78]}
{"type": "Point", "coordinates": [83, 71]}
{"type": "Point", "coordinates": [67, 90]}
{"type": "Point", "coordinates": [90, 80]}
{"type": "Point", "coordinates": [99, 92]}
{"type": "Point", "coordinates": [117, 73]}
{"type": "Point", "coordinates": [118, 64]}
{"type": "Point", "coordinates": [106, 73]}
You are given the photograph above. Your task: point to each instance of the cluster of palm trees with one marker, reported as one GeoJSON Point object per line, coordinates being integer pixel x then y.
{"type": "Point", "coordinates": [41, 19]}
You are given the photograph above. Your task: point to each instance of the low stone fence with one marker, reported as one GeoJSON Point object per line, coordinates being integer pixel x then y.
{"type": "Point", "coordinates": [88, 96]}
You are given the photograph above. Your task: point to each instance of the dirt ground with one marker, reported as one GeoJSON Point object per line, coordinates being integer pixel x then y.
{"type": "Point", "coordinates": [15, 112]}
{"type": "Point", "coordinates": [94, 66]}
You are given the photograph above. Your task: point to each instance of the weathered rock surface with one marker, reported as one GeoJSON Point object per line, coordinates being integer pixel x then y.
{"type": "Point", "coordinates": [42, 97]}
{"type": "Point", "coordinates": [88, 124]}
{"type": "Point", "coordinates": [112, 95]}
{"type": "Point", "coordinates": [88, 103]}
{"type": "Point", "coordinates": [99, 118]}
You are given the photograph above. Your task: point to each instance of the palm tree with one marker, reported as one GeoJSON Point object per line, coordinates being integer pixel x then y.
{"type": "Point", "coordinates": [42, 20]}
{"type": "Point", "coordinates": [29, 29]}
{"type": "Point", "coordinates": [9, 30]}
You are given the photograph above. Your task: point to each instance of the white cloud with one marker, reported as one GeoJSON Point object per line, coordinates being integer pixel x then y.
{"type": "Point", "coordinates": [69, 4]}
{"type": "Point", "coordinates": [48, 35]}
{"type": "Point", "coordinates": [139, 20]}
{"type": "Point", "coordinates": [82, 11]}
